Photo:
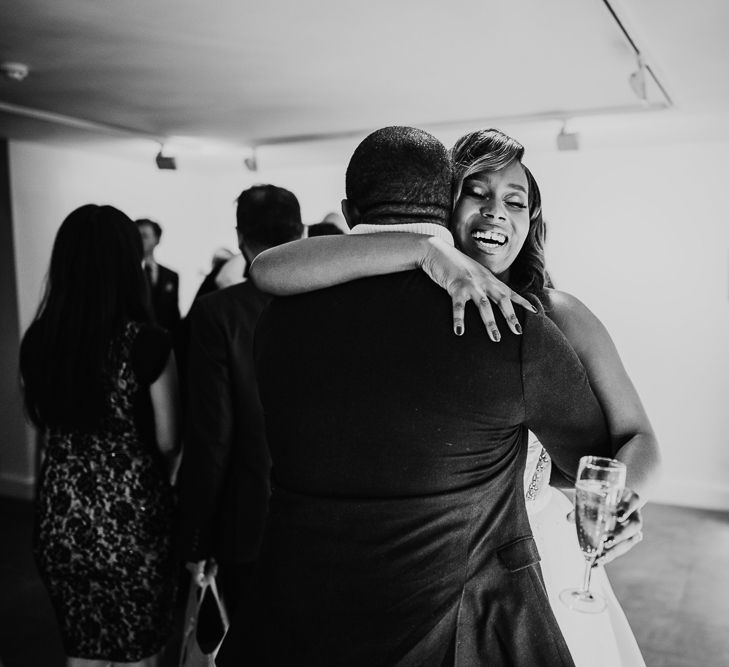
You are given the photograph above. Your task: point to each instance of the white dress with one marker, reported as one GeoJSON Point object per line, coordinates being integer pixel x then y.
{"type": "Point", "coordinates": [595, 640]}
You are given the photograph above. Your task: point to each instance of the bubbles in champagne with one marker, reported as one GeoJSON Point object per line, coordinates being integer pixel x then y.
{"type": "Point", "coordinates": [596, 503]}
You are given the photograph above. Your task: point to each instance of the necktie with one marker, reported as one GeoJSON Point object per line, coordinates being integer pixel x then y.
{"type": "Point", "coordinates": [148, 272]}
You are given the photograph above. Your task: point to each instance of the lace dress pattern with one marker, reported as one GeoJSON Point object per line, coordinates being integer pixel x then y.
{"type": "Point", "coordinates": [102, 538]}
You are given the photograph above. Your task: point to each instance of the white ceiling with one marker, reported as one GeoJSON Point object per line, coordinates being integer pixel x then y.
{"type": "Point", "coordinates": [258, 73]}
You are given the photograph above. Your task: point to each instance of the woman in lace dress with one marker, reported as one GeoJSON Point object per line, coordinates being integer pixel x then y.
{"type": "Point", "coordinates": [100, 380]}
{"type": "Point", "coordinates": [497, 222]}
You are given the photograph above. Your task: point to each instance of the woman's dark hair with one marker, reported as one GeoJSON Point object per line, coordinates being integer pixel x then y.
{"type": "Point", "coordinates": [491, 150]}
{"type": "Point", "coordinates": [94, 287]}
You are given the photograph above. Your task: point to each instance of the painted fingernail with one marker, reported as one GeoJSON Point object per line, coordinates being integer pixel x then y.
{"type": "Point", "coordinates": [459, 330]}
{"type": "Point", "coordinates": [534, 310]}
{"type": "Point", "coordinates": [495, 335]}
{"type": "Point", "coordinates": [517, 326]}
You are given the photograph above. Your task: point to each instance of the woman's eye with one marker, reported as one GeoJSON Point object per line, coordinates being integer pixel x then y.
{"type": "Point", "coordinates": [516, 204]}
{"type": "Point", "coordinates": [473, 191]}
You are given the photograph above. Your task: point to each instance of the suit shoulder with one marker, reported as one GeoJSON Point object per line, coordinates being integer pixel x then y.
{"type": "Point", "coordinates": [235, 298]}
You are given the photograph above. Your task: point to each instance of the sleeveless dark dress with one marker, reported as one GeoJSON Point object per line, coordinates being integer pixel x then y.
{"type": "Point", "coordinates": [103, 517]}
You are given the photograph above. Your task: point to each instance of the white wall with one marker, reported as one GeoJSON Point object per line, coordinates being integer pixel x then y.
{"type": "Point", "coordinates": [637, 230]}
{"type": "Point", "coordinates": [195, 205]}
{"type": "Point", "coordinates": [641, 236]}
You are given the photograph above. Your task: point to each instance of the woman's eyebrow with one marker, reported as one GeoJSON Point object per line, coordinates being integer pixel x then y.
{"type": "Point", "coordinates": [516, 186]}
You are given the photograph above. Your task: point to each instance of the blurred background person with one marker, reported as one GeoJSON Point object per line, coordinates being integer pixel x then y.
{"type": "Point", "coordinates": [337, 219]}
{"type": "Point", "coordinates": [220, 257]}
{"type": "Point", "coordinates": [323, 229]}
{"type": "Point", "coordinates": [163, 282]}
{"type": "Point", "coordinates": [224, 475]}
{"type": "Point", "coordinates": [101, 380]}
{"type": "Point", "coordinates": [232, 272]}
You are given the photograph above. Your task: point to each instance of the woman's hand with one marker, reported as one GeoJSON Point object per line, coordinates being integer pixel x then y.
{"type": "Point", "coordinates": [628, 530]}
{"type": "Point", "coordinates": [466, 280]}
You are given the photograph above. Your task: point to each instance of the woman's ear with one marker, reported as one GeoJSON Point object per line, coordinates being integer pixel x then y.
{"type": "Point", "coordinates": [350, 213]}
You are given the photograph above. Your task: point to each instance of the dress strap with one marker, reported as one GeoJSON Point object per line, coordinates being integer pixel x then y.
{"type": "Point", "coordinates": [538, 477]}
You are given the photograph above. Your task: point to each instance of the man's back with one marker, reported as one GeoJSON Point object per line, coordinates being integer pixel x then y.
{"type": "Point", "coordinates": [224, 473]}
{"type": "Point", "coordinates": [397, 532]}
{"type": "Point", "coordinates": [368, 393]}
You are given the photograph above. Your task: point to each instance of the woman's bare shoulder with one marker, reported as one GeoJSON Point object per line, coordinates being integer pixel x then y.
{"type": "Point", "coordinates": [572, 316]}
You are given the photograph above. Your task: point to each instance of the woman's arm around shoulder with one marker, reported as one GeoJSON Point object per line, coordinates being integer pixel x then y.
{"type": "Point", "coordinates": [631, 431]}
{"type": "Point", "coordinates": [310, 264]}
{"type": "Point", "coordinates": [324, 261]}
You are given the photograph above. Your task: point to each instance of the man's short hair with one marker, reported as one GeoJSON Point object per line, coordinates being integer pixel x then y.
{"type": "Point", "coordinates": [400, 172]}
{"type": "Point", "coordinates": [156, 229]}
{"type": "Point", "coordinates": [268, 215]}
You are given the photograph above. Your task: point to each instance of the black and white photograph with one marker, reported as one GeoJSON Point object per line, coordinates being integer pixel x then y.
{"type": "Point", "coordinates": [346, 334]}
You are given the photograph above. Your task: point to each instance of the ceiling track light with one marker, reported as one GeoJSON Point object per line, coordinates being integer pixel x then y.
{"type": "Point", "coordinates": [14, 71]}
{"type": "Point", "coordinates": [638, 80]}
{"type": "Point", "coordinates": [251, 162]}
{"type": "Point", "coordinates": [165, 161]}
{"type": "Point", "coordinates": [567, 141]}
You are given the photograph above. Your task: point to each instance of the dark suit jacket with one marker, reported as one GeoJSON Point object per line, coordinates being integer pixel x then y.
{"type": "Point", "coordinates": [224, 473]}
{"type": "Point", "coordinates": [397, 532]}
{"type": "Point", "coordinates": [165, 301]}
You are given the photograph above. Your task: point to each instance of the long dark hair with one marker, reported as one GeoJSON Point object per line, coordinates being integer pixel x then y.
{"type": "Point", "coordinates": [491, 150]}
{"type": "Point", "coordinates": [94, 287]}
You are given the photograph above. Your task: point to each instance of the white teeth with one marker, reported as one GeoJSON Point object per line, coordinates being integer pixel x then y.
{"type": "Point", "coordinates": [490, 237]}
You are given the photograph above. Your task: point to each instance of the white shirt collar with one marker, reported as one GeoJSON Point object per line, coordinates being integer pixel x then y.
{"type": "Point", "coordinates": [428, 228]}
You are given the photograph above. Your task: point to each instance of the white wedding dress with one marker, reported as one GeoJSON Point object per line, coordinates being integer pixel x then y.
{"type": "Point", "coordinates": [595, 640]}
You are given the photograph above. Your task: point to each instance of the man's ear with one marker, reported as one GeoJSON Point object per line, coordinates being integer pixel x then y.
{"type": "Point", "coordinates": [350, 213]}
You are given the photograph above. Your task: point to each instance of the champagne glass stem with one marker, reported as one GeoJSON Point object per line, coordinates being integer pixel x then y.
{"type": "Point", "coordinates": [586, 579]}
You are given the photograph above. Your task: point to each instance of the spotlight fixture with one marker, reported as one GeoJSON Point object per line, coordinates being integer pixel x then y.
{"type": "Point", "coordinates": [165, 161]}
{"type": "Point", "coordinates": [14, 71]}
{"type": "Point", "coordinates": [637, 81]}
{"type": "Point", "coordinates": [251, 162]}
{"type": "Point", "coordinates": [567, 141]}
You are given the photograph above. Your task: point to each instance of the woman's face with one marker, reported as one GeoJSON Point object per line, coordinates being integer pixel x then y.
{"type": "Point", "coordinates": [491, 219]}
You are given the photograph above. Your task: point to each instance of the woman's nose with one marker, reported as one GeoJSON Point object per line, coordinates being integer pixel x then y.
{"type": "Point", "coordinates": [491, 209]}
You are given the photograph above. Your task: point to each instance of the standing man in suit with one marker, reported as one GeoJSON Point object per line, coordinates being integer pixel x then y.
{"type": "Point", "coordinates": [224, 475]}
{"type": "Point", "coordinates": [163, 282]}
{"type": "Point", "coordinates": [397, 532]}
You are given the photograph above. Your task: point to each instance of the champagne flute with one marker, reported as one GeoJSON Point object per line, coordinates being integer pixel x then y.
{"type": "Point", "coordinates": [599, 486]}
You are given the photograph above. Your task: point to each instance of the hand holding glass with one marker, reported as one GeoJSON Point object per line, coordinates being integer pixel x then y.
{"type": "Point", "coordinates": [599, 486]}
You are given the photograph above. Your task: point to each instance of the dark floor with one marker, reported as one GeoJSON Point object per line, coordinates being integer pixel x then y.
{"type": "Point", "coordinates": [674, 588]}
